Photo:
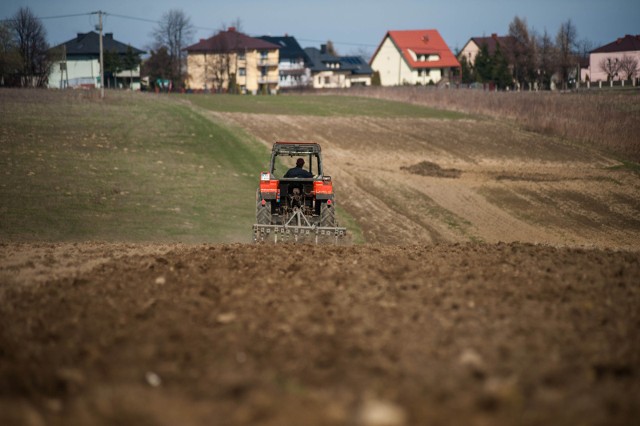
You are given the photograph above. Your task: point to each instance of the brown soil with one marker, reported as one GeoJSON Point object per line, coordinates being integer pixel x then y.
{"type": "Point", "coordinates": [508, 295]}
{"type": "Point", "coordinates": [427, 168]}
{"type": "Point", "coordinates": [362, 335]}
{"type": "Point", "coordinates": [514, 185]}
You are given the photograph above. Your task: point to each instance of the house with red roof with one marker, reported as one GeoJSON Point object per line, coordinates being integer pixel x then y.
{"type": "Point", "coordinates": [231, 58]}
{"type": "Point", "coordinates": [616, 60]}
{"type": "Point", "coordinates": [414, 57]}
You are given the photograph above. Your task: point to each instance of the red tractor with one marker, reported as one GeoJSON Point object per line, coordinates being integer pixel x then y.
{"type": "Point", "coordinates": [296, 207]}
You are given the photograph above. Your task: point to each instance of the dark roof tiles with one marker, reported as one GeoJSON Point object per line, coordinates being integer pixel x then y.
{"type": "Point", "coordinates": [628, 43]}
{"type": "Point", "coordinates": [88, 44]}
{"type": "Point", "coordinates": [230, 41]}
{"type": "Point", "coordinates": [353, 64]}
{"type": "Point", "coordinates": [289, 47]}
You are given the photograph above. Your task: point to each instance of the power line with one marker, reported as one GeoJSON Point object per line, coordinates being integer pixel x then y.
{"type": "Point", "coordinates": [153, 21]}
{"type": "Point", "coordinates": [50, 17]}
{"type": "Point", "coordinates": [65, 16]}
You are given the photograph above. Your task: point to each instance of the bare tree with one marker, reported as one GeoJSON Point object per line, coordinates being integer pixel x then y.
{"type": "Point", "coordinates": [174, 32]}
{"type": "Point", "coordinates": [522, 53]}
{"type": "Point", "coordinates": [610, 66]}
{"type": "Point", "coordinates": [629, 67]}
{"type": "Point", "coordinates": [546, 59]}
{"type": "Point", "coordinates": [585, 46]}
{"type": "Point", "coordinates": [331, 50]}
{"type": "Point", "coordinates": [566, 43]}
{"type": "Point", "coordinates": [9, 55]}
{"type": "Point", "coordinates": [31, 40]}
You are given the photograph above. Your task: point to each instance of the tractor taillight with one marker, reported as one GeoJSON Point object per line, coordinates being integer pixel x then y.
{"type": "Point", "coordinates": [329, 202]}
{"type": "Point", "coordinates": [263, 202]}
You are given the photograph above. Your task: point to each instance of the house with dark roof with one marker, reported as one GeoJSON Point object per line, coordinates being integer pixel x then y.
{"type": "Point", "coordinates": [414, 57]}
{"type": "Point", "coordinates": [332, 72]}
{"type": "Point", "coordinates": [615, 60]}
{"type": "Point", "coordinates": [233, 59]}
{"type": "Point", "coordinates": [78, 62]}
{"type": "Point", "coordinates": [293, 66]}
{"type": "Point", "coordinates": [473, 46]}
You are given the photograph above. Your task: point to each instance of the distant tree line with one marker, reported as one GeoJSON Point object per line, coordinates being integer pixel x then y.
{"type": "Point", "coordinates": [529, 58]}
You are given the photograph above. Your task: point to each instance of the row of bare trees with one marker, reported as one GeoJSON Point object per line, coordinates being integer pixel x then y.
{"type": "Point", "coordinates": [625, 67]}
{"type": "Point", "coordinates": [25, 58]}
{"type": "Point", "coordinates": [536, 59]}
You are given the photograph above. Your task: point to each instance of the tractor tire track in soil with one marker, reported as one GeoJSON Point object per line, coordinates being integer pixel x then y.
{"type": "Point", "coordinates": [365, 335]}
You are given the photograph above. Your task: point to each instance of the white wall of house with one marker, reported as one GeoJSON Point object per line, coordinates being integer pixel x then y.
{"type": "Point", "coordinates": [426, 75]}
{"type": "Point", "coordinates": [293, 73]}
{"type": "Point", "coordinates": [469, 51]}
{"type": "Point", "coordinates": [595, 71]}
{"type": "Point", "coordinates": [83, 72]}
{"type": "Point", "coordinates": [391, 65]}
{"type": "Point", "coordinates": [359, 80]}
{"type": "Point", "coordinates": [129, 77]}
{"type": "Point", "coordinates": [330, 80]}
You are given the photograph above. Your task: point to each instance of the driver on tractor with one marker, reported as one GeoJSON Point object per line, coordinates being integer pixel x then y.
{"type": "Point", "coordinates": [298, 171]}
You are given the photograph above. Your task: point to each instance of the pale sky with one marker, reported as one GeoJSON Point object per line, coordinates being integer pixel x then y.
{"type": "Point", "coordinates": [350, 24]}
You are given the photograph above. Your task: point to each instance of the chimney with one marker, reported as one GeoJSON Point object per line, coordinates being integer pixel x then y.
{"type": "Point", "coordinates": [108, 36]}
{"type": "Point", "coordinates": [494, 36]}
{"type": "Point", "coordinates": [232, 29]}
{"type": "Point", "coordinates": [323, 49]}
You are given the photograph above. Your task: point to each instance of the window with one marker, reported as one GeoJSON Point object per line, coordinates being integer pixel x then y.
{"type": "Point", "coordinates": [242, 72]}
{"type": "Point", "coordinates": [241, 56]}
{"type": "Point", "coordinates": [264, 54]}
{"type": "Point", "coordinates": [327, 80]}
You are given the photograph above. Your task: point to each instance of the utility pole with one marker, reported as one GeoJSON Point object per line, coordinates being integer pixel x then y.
{"type": "Point", "coordinates": [100, 13]}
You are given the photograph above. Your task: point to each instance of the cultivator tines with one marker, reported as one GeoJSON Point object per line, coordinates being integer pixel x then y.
{"type": "Point", "coordinates": [293, 233]}
{"type": "Point", "coordinates": [298, 229]}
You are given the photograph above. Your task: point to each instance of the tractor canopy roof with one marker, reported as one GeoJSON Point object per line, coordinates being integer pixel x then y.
{"type": "Point", "coordinates": [295, 148]}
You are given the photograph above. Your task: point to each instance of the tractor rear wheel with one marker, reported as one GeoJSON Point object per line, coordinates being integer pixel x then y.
{"type": "Point", "coordinates": [263, 213]}
{"type": "Point", "coordinates": [327, 215]}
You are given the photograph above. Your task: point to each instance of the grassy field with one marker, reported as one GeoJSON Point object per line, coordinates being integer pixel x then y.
{"type": "Point", "coordinates": [320, 105]}
{"type": "Point", "coordinates": [134, 167]}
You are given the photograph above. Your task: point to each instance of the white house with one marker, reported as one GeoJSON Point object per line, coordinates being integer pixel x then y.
{"type": "Point", "coordinates": [414, 57]}
{"type": "Point", "coordinates": [337, 72]}
{"type": "Point", "coordinates": [78, 62]}
{"type": "Point", "coordinates": [613, 54]}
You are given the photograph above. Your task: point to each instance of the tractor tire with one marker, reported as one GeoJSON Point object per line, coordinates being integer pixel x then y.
{"type": "Point", "coordinates": [327, 215]}
{"type": "Point", "coordinates": [263, 213]}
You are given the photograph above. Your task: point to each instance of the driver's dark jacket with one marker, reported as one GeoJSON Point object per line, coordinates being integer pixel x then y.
{"type": "Point", "coordinates": [298, 172]}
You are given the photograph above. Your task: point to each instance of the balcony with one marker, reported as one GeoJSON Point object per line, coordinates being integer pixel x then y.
{"type": "Point", "coordinates": [263, 79]}
{"type": "Point", "coordinates": [266, 62]}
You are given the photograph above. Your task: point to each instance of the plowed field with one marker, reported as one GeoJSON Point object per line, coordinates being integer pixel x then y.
{"type": "Point", "coordinates": [247, 334]}
{"type": "Point", "coordinates": [499, 285]}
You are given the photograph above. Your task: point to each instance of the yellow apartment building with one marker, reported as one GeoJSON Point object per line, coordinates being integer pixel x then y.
{"type": "Point", "coordinates": [232, 58]}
